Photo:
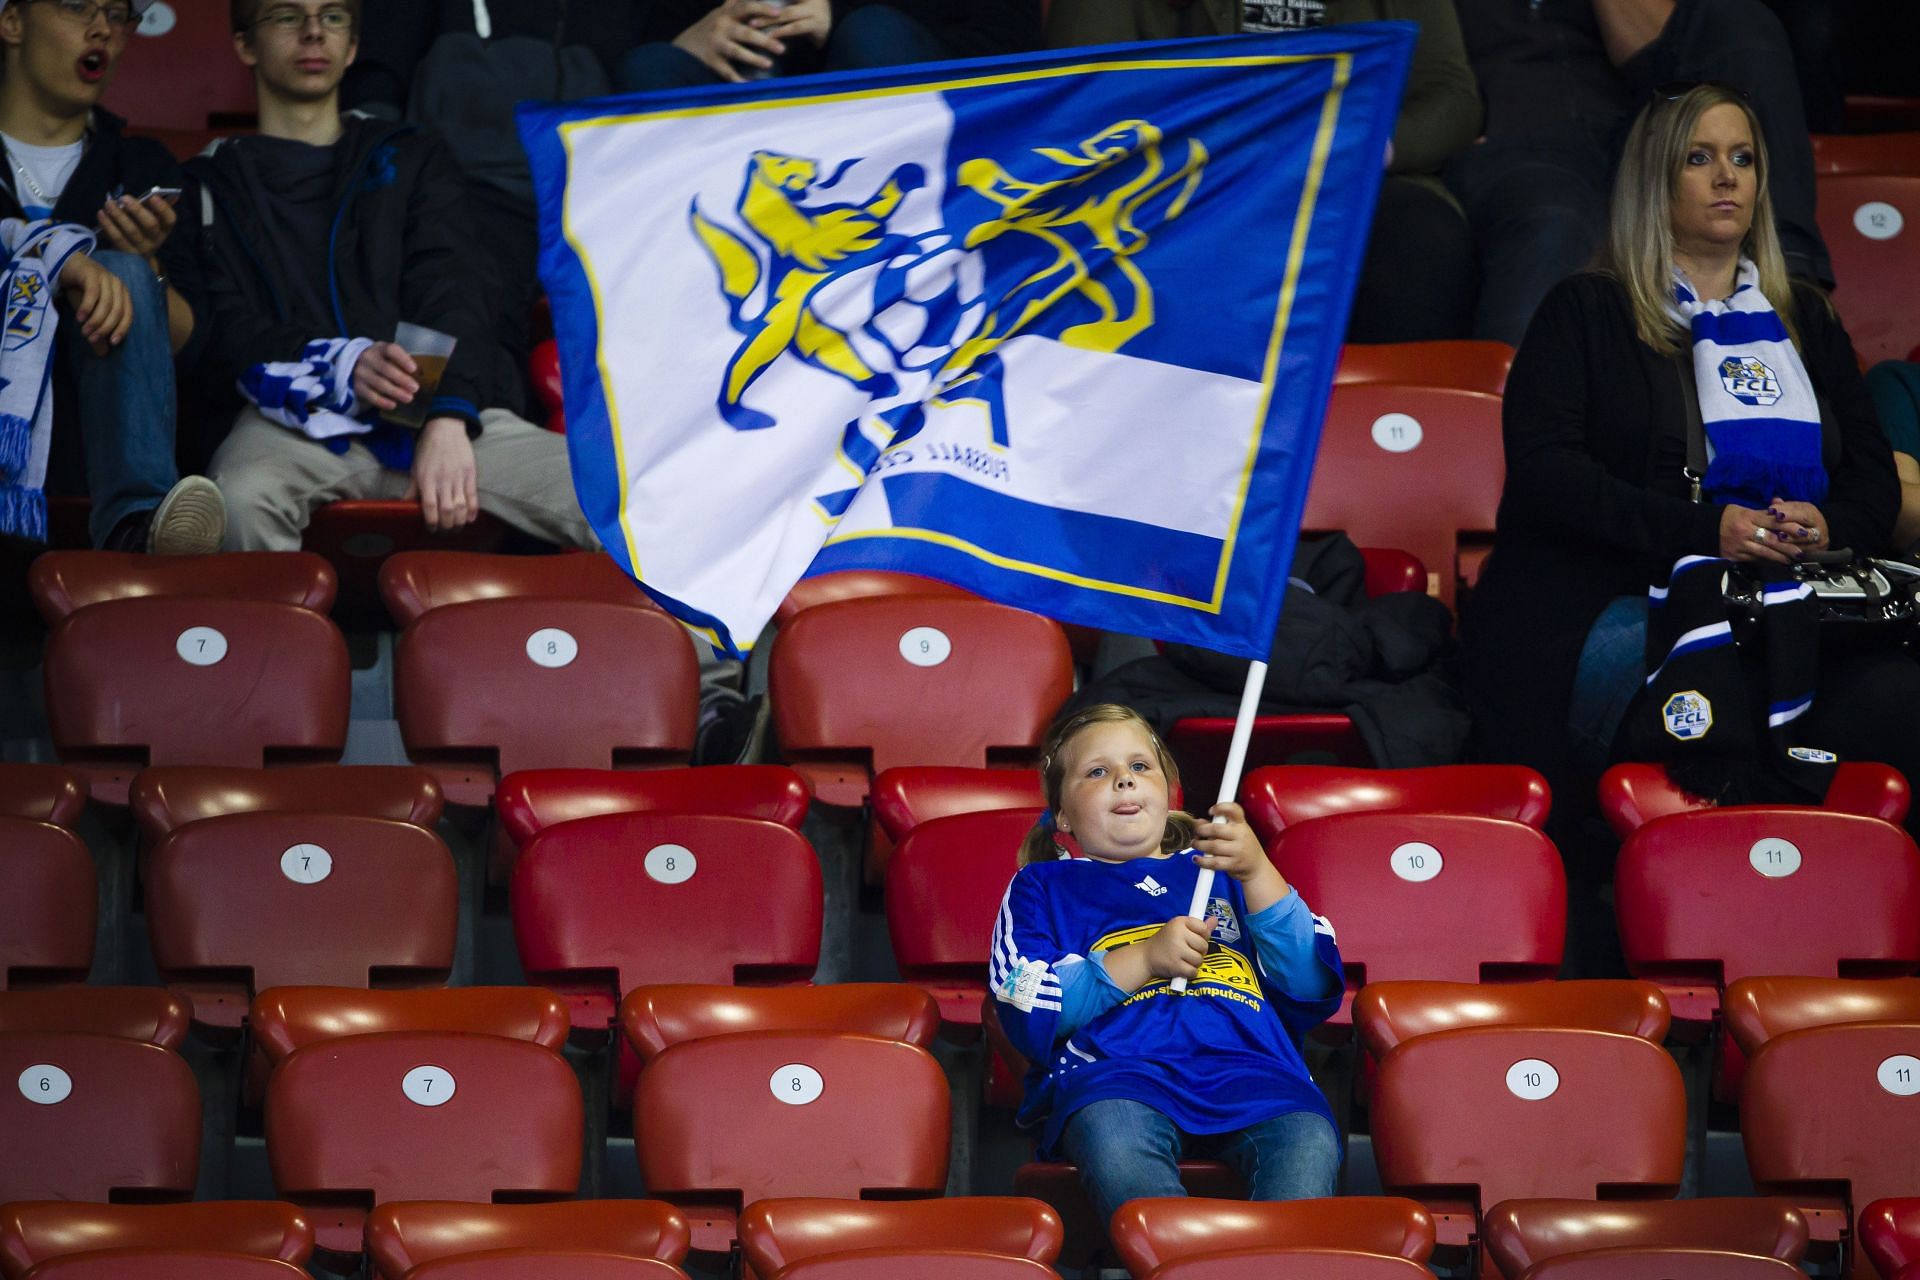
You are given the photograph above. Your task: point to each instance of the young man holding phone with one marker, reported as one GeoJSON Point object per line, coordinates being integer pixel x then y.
{"type": "Point", "coordinates": [318, 238]}
{"type": "Point", "coordinates": [128, 313]}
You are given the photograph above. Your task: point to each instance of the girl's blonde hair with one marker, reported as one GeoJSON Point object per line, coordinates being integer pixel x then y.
{"type": "Point", "coordinates": [1040, 845]}
{"type": "Point", "coordinates": [1638, 248]}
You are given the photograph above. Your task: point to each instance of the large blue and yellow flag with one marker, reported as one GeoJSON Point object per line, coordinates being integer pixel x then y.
{"type": "Point", "coordinates": [1057, 328]}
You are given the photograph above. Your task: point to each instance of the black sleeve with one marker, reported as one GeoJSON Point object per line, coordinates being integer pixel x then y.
{"type": "Point", "coordinates": [663, 20]}
{"type": "Point", "coordinates": [440, 288]}
{"type": "Point", "coordinates": [393, 39]}
{"type": "Point", "coordinates": [968, 28]}
{"type": "Point", "coordinates": [1863, 492]}
{"type": "Point", "coordinates": [1555, 483]}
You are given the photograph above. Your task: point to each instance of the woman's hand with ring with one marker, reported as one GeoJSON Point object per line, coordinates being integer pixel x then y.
{"type": "Point", "coordinates": [1748, 534]}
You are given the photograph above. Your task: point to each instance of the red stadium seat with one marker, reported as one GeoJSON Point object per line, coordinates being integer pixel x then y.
{"type": "Point", "coordinates": [1530, 1111]}
{"type": "Point", "coordinates": [42, 793]}
{"type": "Point", "coordinates": [344, 1132]}
{"type": "Point", "coordinates": [240, 903]}
{"type": "Point", "coordinates": [922, 1264]}
{"type": "Point", "coordinates": [905, 797]}
{"type": "Point", "coordinates": [183, 680]}
{"type": "Point", "coordinates": [848, 701]}
{"type": "Point", "coordinates": [1153, 1233]}
{"type": "Point", "coordinates": [1866, 153]}
{"type": "Point", "coordinates": [1828, 1118]}
{"type": "Point", "coordinates": [1890, 1233]}
{"type": "Point", "coordinates": [49, 909]}
{"type": "Point", "coordinates": [147, 1014]}
{"type": "Point", "coordinates": [1756, 1010]}
{"type": "Point", "coordinates": [1871, 223]}
{"type": "Point", "coordinates": [286, 1019]}
{"type": "Point", "coordinates": [1631, 795]}
{"type": "Point", "coordinates": [490, 686]}
{"type": "Point", "coordinates": [1278, 798]}
{"type": "Point", "coordinates": [1440, 896]}
{"type": "Point", "coordinates": [655, 1018]}
{"type": "Point", "coordinates": [1521, 1234]}
{"type": "Point", "coordinates": [858, 584]}
{"type": "Point", "coordinates": [1475, 364]}
{"type": "Point", "coordinates": [165, 1264]}
{"type": "Point", "coordinates": [1057, 1183]}
{"type": "Point", "coordinates": [1651, 1263]}
{"type": "Point", "coordinates": [539, 1264]}
{"type": "Point", "coordinates": [1413, 428]}
{"type": "Point", "coordinates": [543, 366]}
{"type": "Point", "coordinates": [63, 581]}
{"type": "Point", "coordinates": [944, 886]}
{"type": "Point", "coordinates": [1292, 1264]}
{"type": "Point", "coordinates": [604, 905]}
{"type": "Point", "coordinates": [185, 75]}
{"type": "Point", "coordinates": [530, 801]}
{"type": "Point", "coordinates": [1388, 1014]}
{"type": "Point", "coordinates": [33, 1232]}
{"type": "Point", "coordinates": [356, 537]}
{"type": "Point", "coordinates": [164, 798]}
{"type": "Point", "coordinates": [727, 1120]}
{"type": "Point", "coordinates": [90, 1117]}
{"type": "Point", "coordinates": [1707, 898]}
{"type": "Point", "coordinates": [414, 582]}
{"type": "Point", "coordinates": [775, 1234]}
{"type": "Point", "coordinates": [409, 1234]}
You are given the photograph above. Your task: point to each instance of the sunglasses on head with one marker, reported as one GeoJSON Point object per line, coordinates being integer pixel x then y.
{"type": "Point", "coordinates": [1674, 90]}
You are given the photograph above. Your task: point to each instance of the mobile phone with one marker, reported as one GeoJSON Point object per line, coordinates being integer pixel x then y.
{"type": "Point", "coordinates": [165, 193]}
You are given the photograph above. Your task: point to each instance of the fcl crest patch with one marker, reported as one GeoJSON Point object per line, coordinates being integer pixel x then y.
{"type": "Point", "coordinates": [1749, 380]}
{"type": "Point", "coordinates": [1688, 715]}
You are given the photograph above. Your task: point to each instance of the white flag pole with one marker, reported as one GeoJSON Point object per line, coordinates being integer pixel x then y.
{"type": "Point", "coordinates": [1230, 781]}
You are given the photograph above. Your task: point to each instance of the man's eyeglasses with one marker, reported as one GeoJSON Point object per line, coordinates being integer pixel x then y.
{"type": "Point", "coordinates": [333, 21]}
{"type": "Point", "coordinates": [118, 13]}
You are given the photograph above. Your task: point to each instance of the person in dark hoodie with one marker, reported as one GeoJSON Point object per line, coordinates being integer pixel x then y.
{"type": "Point", "coordinates": [318, 237]}
{"type": "Point", "coordinates": [114, 406]}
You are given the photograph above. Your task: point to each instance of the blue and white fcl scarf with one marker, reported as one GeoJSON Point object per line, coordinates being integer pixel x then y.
{"type": "Point", "coordinates": [314, 394]}
{"type": "Point", "coordinates": [1756, 401]}
{"type": "Point", "coordinates": [37, 252]}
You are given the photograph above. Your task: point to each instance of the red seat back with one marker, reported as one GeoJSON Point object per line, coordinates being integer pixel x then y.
{"type": "Point", "coordinates": [858, 584]}
{"type": "Point", "coordinates": [413, 582]}
{"type": "Point", "coordinates": [184, 76]}
{"type": "Point", "coordinates": [126, 686]}
{"type": "Point", "coordinates": [1866, 153]}
{"type": "Point", "coordinates": [543, 1264]}
{"type": "Point", "coordinates": [656, 1018]}
{"type": "Point", "coordinates": [1471, 365]}
{"type": "Point", "coordinates": [922, 1264]}
{"type": "Point", "coordinates": [166, 1264]}
{"type": "Point", "coordinates": [1709, 897]}
{"type": "Point", "coordinates": [240, 903]}
{"type": "Point", "coordinates": [1491, 905]}
{"type": "Point", "coordinates": [146, 1014]}
{"type": "Point", "coordinates": [727, 1120]}
{"type": "Point", "coordinates": [1201, 744]}
{"type": "Point", "coordinates": [1522, 1233]}
{"type": "Point", "coordinates": [1604, 1115]}
{"type": "Point", "coordinates": [1285, 1264]}
{"type": "Point", "coordinates": [356, 536]}
{"type": "Point", "coordinates": [1890, 1232]}
{"type": "Point", "coordinates": [532, 800]}
{"type": "Point", "coordinates": [1871, 223]}
{"type": "Point", "coordinates": [35, 1231]}
{"type": "Point", "coordinates": [1756, 1010]}
{"type": "Point", "coordinates": [944, 886]}
{"type": "Point", "coordinates": [1633, 794]}
{"type": "Point", "coordinates": [490, 686]}
{"type": "Point", "coordinates": [905, 797]}
{"type": "Point", "coordinates": [164, 798]}
{"type": "Point", "coordinates": [1654, 1263]}
{"type": "Point", "coordinates": [63, 581]}
{"type": "Point", "coordinates": [284, 1019]}
{"type": "Point", "coordinates": [1389, 1014]}
{"type": "Point", "coordinates": [543, 367]}
{"type": "Point", "coordinates": [412, 1233]}
{"type": "Point", "coordinates": [50, 906]}
{"type": "Point", "coordinates": [119, 1117]}
{"type": "Point", "coordinates": [1832, 1109]}
{"type": "Point", "coordinates": [848, 702]}
{"type": "Point", "coordinates": [344, 1131]}
{"type": "Point", "coordinates": [1284, 796]}
{"type": "Point", "coordinates": [1153, 1232]}
{"type": "Point", "coordinates": [1440, 442]}
{"type": "Point", "coordinates": [603, 905]}
{"type": "Point", "coordinates": [42, 793]}
{"type": "Point", "coordinates": [775, 1234]}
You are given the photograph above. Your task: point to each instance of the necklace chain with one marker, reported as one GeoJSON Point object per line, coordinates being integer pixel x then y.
{"type": "Point", "coordinates": [33, 187]}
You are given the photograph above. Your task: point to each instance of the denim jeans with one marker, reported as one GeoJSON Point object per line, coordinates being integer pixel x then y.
{"type": "Point", "coordinates": [873, 36]}
{"type": "Point", "coordinates": [1613, 666]}
{"type": "Point", "coordinates": [126, 403]}
{"type": "Point", "coordinates": [1127, 1150]}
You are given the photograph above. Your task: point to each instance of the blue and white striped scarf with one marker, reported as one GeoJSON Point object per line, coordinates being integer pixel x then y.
{"type": "Point", "coordinates": [314, 394]}
{"type": "Point", "coordinates": [37, 252]}
{"type": "Point", "coordinates": [1756, 402]}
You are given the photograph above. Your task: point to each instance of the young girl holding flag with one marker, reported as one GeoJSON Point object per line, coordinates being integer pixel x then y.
{"type": "Point", "coordinates": [1128, 1074]}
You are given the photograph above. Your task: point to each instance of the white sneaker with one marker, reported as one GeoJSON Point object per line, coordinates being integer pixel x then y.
{"type": "Point", "coordinates": [190, 521]}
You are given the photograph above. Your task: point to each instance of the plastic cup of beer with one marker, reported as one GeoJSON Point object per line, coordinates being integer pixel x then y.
{"type": "Point", "coordinates": [430, 350]}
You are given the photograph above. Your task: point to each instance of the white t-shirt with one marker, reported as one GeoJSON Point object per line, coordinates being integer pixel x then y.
{"type": "Point", "coordinates": [40, 174]}
{"type": "Point", "coordinates": [1282, 15]}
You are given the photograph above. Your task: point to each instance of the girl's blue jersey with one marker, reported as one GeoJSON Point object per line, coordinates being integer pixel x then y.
{"type": "Point", "coordinates": [1223, 1056]}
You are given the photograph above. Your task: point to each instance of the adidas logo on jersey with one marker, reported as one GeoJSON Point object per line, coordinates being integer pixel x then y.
{"type": "Point", "coordinates": [1152, 887]}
